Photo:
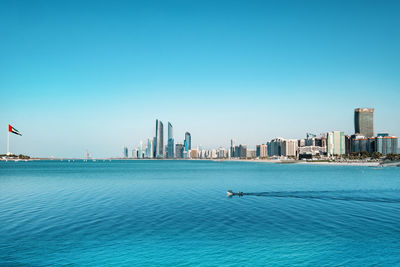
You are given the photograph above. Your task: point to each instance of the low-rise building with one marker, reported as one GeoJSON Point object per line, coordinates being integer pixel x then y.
{"type": "Point", "coordinates": [194, 153]}
{"type": "Point", "coordinates": [309, 152]}
{"type": "Point", "coordinates": [251, 154]}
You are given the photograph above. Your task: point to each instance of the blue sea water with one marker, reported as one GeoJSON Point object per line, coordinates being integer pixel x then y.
{"type": "Point", "coordinates": [176, 213]}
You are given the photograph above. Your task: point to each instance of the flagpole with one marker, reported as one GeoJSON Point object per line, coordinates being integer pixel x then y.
{"type": "Point", "coordinates": [8, 143]}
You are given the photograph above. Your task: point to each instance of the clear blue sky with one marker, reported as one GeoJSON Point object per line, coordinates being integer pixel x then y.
{"type": "Point", "coordinates": [95, 75]}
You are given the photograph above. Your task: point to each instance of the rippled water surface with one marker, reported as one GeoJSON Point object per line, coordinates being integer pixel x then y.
{"type": "Point", "coordinates": [177, 213]}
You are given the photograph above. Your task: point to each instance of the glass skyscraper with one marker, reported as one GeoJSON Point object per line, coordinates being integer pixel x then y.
{"type": "Point", "coordinates": [364, 121]}
{"type": "Point", "coordinates": [170, 147]}
{"type": "Point", "coordinates": [159, 140]}
{"type": "Point", "coordinates": [188, 141]}
{"type": "Point", "coordinates": [149, 149]}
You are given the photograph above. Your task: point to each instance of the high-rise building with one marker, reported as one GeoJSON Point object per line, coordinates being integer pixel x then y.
{"type": "Point", "coordinates": [236, 152]}
{"type": "Point", "coordinates": [149, 149]}
{"type": "Point", "coordinates": [289, 147]}
{"type": "Point", "coordinates": [171, 146]}
{"type": "Point", "coordinates": [275, 147]}
{"type": "Point", "coordinates": [170, 149]}
{"type": "Point", "coordinates": [242, 151]}
{"type": "Point", "coordinates": [134, 153]}
{"type": "Point", "coordinates": [179, 151]}
{"type": "Point", "coordinates": [140, 150]}
{"type": "Point", "coordinates": [154, 147]}
{"type": "Point", "coordinates": [125, 152]}
{"type": "Point", "coordinates": [159, 140]}
{"type": "Point", "coordinates": [232, 149]}
{"type": "Point", "coordinates": [347, 142]}
{"type": "Point", "coordinates": [188, 141]}
{"type": "Point", "coordinates": [261, 151]}
{"type": "Point", "coordinates": [336, 143]}
{"type": "Point", "coordinates": [364, 121]}
{"type": "Point", "coordinates": [170, 131]}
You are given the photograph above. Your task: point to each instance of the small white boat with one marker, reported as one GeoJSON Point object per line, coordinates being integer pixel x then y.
{"type": "Point", "coordinates": [229, 193]}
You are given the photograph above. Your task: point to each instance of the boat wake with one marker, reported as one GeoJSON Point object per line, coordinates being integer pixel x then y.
{"type": "Point", "coordinates": [326, 195]}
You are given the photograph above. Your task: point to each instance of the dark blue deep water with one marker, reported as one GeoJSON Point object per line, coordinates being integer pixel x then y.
{"type": "Point", "coordinates": [171, 213]}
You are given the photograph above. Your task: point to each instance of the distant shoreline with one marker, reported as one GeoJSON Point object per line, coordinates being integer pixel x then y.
{"type": "Point", "coordinates": [276, 161]}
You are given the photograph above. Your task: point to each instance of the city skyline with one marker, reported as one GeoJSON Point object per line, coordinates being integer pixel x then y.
{"type": "Point", "coordinates": [249, 71]}
{"type": "Point", "coordinates": [226, 145]}
{"type": "Point", "coordinates": [361, 143]}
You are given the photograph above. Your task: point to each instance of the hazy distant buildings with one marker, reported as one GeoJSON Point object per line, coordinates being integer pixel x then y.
{"type": "Point", "coordinates": [251, 153]}
{"type": "Point", "coordinates": [261, 151]}
{"type": "Point", "coordinates": [149, 149]}
{"type": "Point", "coordinates": [179, 149]}
{"type": "Point", "coordinates": [242, 151]}
{"type": "Point", "coordinates": [140, 150]}
{"type": "Point", "coordinates": [232, 149]}
{"type": "Point", "coordinates": [134, 153]}
{"type": "Point", "coordinates": [239, 151]}
{"type": "Point", "coordinates": [125, 152]}
{"type": "Point", "coordinates": [335, 143]}
{"type": "Point", "coordinates": [213, 154]}
{"type": "Point", "coordinates": [171, 146]}
{"type": "Point", "coordinates": [194, 154]}
{"type": "Point", "coordinates": [222, 153]}
{"type": "Point", "coordinates": [364, 121]}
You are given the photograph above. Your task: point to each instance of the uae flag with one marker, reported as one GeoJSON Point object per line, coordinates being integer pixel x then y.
{"type": "Point", "coordinates": [13, 130]}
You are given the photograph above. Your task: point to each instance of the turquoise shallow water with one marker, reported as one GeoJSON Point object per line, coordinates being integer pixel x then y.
{"type": "Point", "coordinates": [174, 213]}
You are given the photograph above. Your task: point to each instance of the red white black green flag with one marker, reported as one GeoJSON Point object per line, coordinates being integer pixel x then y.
{"type": "Point", "coordinates": [13, 130]}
